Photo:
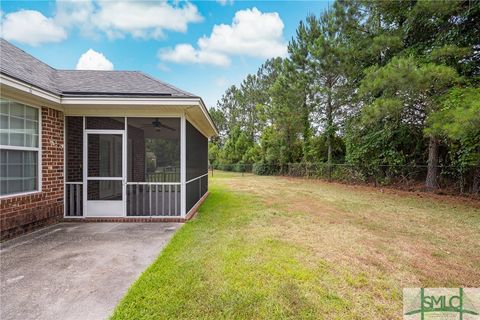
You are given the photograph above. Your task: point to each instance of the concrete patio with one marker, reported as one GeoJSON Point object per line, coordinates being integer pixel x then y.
{"type": "Point", "coordinates": [76, 270]}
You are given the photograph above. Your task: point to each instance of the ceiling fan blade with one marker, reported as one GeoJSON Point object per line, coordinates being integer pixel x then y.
{"type": "Point", "coordinates": [167, 127]}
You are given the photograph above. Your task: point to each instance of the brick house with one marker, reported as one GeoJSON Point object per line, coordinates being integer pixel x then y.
{"type": "Point", "coordinates": [96, 146]}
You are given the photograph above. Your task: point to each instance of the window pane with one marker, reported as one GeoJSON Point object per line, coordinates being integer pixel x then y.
{"type": "Point", "coordinates": [3, 123]}
{"type": "Point", "coordinates": [4, 106]}
{"type": "Point", "coordinates": [30, 170]}
{"type": "Point", "coordinates": [104, 155]}
{"type": "Point", "coordinates": [3, 138]}
{"type": "Point", "coordinates": [105, 123]}
{"type": "Point", "coordinates": [31, 140]}
{"type": "Point", "coordinates": [19, 125]}
{"type": "Point", "coordinates": [15, 186]}
{"type": "Point", "coordinates": [15, 170]}
{"type": "Point", "coordinates": [18, 172]}
{"type": "Point", "coordinates": [14, 157]}
{"type": "Point", "coordinates": [29, 184]}
{"type": "Point", "coordinates": [3, 129]}
{"type": "Point", "coordinates": [29, 158]}
{"type": "Point", "coordinates": [3, 186]}
{"type": "Point", "coordinates": [31, 113]}
{"type": "Point", "coordinates": [31, 127]}
{"type": "Point", "coordinates": [104, 190]}
{"type": "Point", "coordinates": [153, 149]}
{"type": "Point", "coordinates": [17, 109]}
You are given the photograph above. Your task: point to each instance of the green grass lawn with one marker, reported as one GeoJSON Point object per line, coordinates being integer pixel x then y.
{"type": "Point", "coordinates": [273, 247]}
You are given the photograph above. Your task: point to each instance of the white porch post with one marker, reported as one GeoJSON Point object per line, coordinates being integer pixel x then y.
{"type": "Point", "coordinates": [183, 166]}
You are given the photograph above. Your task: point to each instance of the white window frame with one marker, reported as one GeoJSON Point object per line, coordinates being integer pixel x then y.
{"type": "Point", "coordinates": [38, 149]}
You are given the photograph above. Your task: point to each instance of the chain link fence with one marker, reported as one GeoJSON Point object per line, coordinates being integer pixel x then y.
{"type": "Point", "coordinates": [451, 180]}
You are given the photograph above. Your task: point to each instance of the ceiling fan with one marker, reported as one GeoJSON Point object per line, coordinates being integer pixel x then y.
{"type": "Point", "coordinates": [157, 125]}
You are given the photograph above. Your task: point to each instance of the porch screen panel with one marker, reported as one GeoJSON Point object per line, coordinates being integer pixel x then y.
{"type": "Point", "coordinates": [197, 165]}
{"type": "Point", "coordinates": [74, 148]}
{"type": "Point", "coordinates": [105, 123]}
{"type": "Point", "coordinates": [153, 166]}
{"type": "Point", "coordinates": [74, 167]}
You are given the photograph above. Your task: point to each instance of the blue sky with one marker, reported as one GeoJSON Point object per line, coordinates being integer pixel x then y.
{"type": "Point", "coordinates": [202, 47]}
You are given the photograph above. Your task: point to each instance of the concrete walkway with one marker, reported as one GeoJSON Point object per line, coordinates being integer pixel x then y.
{"type": "Point", "coordinates": [76, 270]}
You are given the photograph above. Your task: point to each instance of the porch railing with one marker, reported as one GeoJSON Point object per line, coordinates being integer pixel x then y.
{"type": "Point", "coordinates": [163, 177]}
{"type": "Point", "coordinates": [143, 199]}
{"type": "Point", "coordinates": [153, 199]}
{"type": "Point", "coordinates": [73, 199]}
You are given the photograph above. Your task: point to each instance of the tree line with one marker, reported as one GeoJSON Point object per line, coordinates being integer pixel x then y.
{"type": "Point", "coordinates": [391, 83]}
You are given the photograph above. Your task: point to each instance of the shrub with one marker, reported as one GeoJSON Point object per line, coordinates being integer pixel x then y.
{"type": "Point", "coordinates": [238, 167]}
{"type": "Point", "coordinates": [264, 169]}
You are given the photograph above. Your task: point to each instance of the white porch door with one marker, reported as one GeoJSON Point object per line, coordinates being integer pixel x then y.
{"type": "Point", "coordinates": [104, 173]}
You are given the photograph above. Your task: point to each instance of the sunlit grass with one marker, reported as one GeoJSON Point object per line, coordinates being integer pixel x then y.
{"type": "Point", "coordinates": [270, 247]}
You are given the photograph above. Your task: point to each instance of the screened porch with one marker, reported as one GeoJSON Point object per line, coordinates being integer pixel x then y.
{"type": "Point", "coordinates": [132, 166]}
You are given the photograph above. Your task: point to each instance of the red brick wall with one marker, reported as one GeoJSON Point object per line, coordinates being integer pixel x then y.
{"type": "Point", "coordinates": [23, 214]}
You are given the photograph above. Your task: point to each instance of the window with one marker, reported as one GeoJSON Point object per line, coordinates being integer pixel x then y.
{"type": "Point", "coordinates": [20, 148]}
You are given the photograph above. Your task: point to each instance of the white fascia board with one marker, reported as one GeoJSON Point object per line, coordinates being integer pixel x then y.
{"type": "Point", "coordinates": [27, 88]}
{"type": "Point", "coordinates": [207, 115]}
{"type": "Point", "coordinates": [129, 101]}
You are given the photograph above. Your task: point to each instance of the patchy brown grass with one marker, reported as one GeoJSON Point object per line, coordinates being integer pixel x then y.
{"type": "Point", "coordinates": [378, 238]}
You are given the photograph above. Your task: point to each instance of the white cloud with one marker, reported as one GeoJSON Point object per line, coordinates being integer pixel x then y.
{"type": "Point", "coordinates": [140, 19]}
{"type": "Point", "coordinates": [31, 27]}
{"type": "Point", "coordinates": [186, 53]}
{"type": "Point", "coordinates": [93, 60]}
{"type": "Point", "coordinates": [115, 19]}
{"type": "Point", "coordinates": [144, 19]}
{"type": "Point", "coordinates": [252, 33]}
{"type": "Point", "coordinates": [71, 13]}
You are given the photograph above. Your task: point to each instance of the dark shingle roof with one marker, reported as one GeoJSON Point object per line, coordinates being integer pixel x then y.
{"type": "Point", "coordinates": [20, 65]}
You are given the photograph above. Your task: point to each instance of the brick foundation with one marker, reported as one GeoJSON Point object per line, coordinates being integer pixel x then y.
{"type": "Point", "coordinates": [21, 214]}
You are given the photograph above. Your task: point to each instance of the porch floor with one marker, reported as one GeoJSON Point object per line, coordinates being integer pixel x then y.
{"type": "Point", "coordinates": [76, 270]}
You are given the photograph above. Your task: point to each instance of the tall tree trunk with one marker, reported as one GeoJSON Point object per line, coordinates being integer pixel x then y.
{"type": "Point", "coordinates": [329, 112]}
{"type": "Point", "coordinates": [306, 137]}
{"type": "Point", "coordinates": [306, 129]}
{"type": "Point", "coordinates": [476, 177]}
{"type": "Point", "coordinates": [432, 169]}
{"type": "Point", "coordinates": [329, 128]}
